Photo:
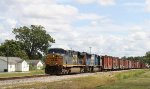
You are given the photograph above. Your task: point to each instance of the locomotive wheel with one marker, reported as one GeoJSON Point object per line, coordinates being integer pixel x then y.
{"type": "Point", "coordinates": [63, 71]}
{"type": "Point", "coordinates": [82, 70]}
{"type": "Point", "coordinates": [68, 71]}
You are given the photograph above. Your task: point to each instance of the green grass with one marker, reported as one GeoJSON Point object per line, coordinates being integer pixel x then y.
{"type": "Point", "coordinates": [19, 74]}
{"type": "Point", "coordinates": [132, 79]}
{"type": "Point", "coordinates": [129, 74]}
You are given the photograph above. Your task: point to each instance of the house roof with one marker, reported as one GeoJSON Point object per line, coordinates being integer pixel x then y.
{"type": "Point", "coordinates": [12, 60]}
{"type": "Point", "coordinates": [34, 62]}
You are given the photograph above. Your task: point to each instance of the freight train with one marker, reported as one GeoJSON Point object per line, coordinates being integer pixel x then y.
{"type": "Point", "coordinates": [60, 61]}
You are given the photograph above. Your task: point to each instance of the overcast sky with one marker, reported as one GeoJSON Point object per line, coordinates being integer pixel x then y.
{"type": "Point", "coordinates": [112, 27]}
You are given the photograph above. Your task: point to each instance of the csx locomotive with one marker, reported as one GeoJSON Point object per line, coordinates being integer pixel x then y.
{"type": "Point", "coordinates": [60, 61]}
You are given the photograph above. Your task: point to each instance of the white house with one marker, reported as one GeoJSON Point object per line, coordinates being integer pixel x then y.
{"type": "Point", "coordinates": [13, 64]}
{"type": "Point", "coordinates": [38, 64]}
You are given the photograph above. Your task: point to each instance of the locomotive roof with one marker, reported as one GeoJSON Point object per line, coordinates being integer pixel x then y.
{"type": "Point", "coordinates": [57, 50]}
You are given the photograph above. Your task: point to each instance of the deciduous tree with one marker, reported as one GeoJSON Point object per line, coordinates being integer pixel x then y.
{"type": "Point", "coordinates": [34, 38]}
{"type": "Point", "coordinates": [12, 48]}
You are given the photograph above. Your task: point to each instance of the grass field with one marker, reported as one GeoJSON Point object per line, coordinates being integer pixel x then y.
{"type": "Point", "coordinates": [132, 79]}
{"type": "Point", "coordinates": [19, 74]}
{"type": "Point", "coordinates": [141, 81]}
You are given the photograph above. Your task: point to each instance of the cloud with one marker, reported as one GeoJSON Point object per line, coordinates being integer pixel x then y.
{"type": "Point", "coordinates": [85, 1]}
{"type": "Point", "coordinates": [49, 14]}
{"type": "Point", "coordinates": [135, 4]}
{"type": "Point", "coordinates": [136, 28]}
{"type": "Point", "coordinates": [94, 23]}
{"type": "Point", "coordinates": [100, 2]}
{"type": "Point", "coordinates": [56, 18]}
{"type": "Point", "coordinates": [138, 6]}
{"type": "Point", "coordinates": [100, 32]}
{"type": "Point", "coordinates": [139, 35]}
{"type": "Point", "coordinates": [49, 11]}
{"type": "Point", "coordinates": [147, 5]}
{"type": "Point", "coordinates": [113, 39]}
{"type": "Point", "coordinates": [6, 28]}
{"type": "Point", "coordinates": [106, 2]}
{"type": "Point", "coordinates": [89, 16]}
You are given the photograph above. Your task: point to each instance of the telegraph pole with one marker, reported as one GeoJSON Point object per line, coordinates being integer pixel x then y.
{"type": "Point", "coordinates": [90, 49]}
{"type": "Point", "coordinates": [7, 51]}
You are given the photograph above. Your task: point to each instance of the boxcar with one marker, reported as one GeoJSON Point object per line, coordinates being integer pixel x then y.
{"type": "Point", "coordinates": [138, 65]}
{"type": "Point", "coordinates": [121, 64]}
{"type": "Point", "coordinates": [107, 62]}
{"type": "Point", "coordinates": [115, 63]}
{"type": "Point", "coordinates": [126, 64]}
{"type": "Point", "coordinates": [144, 65]}
{"type": "Point", "coordinates": [133, 64]}
{"type": "Point", "coordinates": [130, 64]}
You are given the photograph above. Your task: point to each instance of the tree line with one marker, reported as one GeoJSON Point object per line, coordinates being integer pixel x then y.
{"type": "Point", "coordinates": [30, 43]}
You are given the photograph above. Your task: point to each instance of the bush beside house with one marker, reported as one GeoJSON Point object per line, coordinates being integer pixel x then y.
{"type": "Point", "coordinates": [36, 64]}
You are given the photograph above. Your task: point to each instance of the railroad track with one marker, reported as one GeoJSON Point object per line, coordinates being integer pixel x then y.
{"type": "Point", "coordinates": [44, 75]}
{"type": "Point", "coordinates": [35, 76]}
{"type": "Point", "coordinates": [23, 77]}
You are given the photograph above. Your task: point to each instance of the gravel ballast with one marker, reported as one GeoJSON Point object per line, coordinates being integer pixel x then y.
{"type": "Point", "coordinates": [43, 79]}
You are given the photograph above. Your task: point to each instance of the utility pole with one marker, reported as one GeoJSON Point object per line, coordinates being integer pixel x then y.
{"type": "Point", "coordinates": [90, 49]}
{"type": "Point", "coordinates": [7, 51]}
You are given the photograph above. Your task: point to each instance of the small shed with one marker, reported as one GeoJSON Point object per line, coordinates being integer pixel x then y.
{"type": "Point", "coordinates": [38, 64]}
{"type": "Point", "coordinates": [12, 64]}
